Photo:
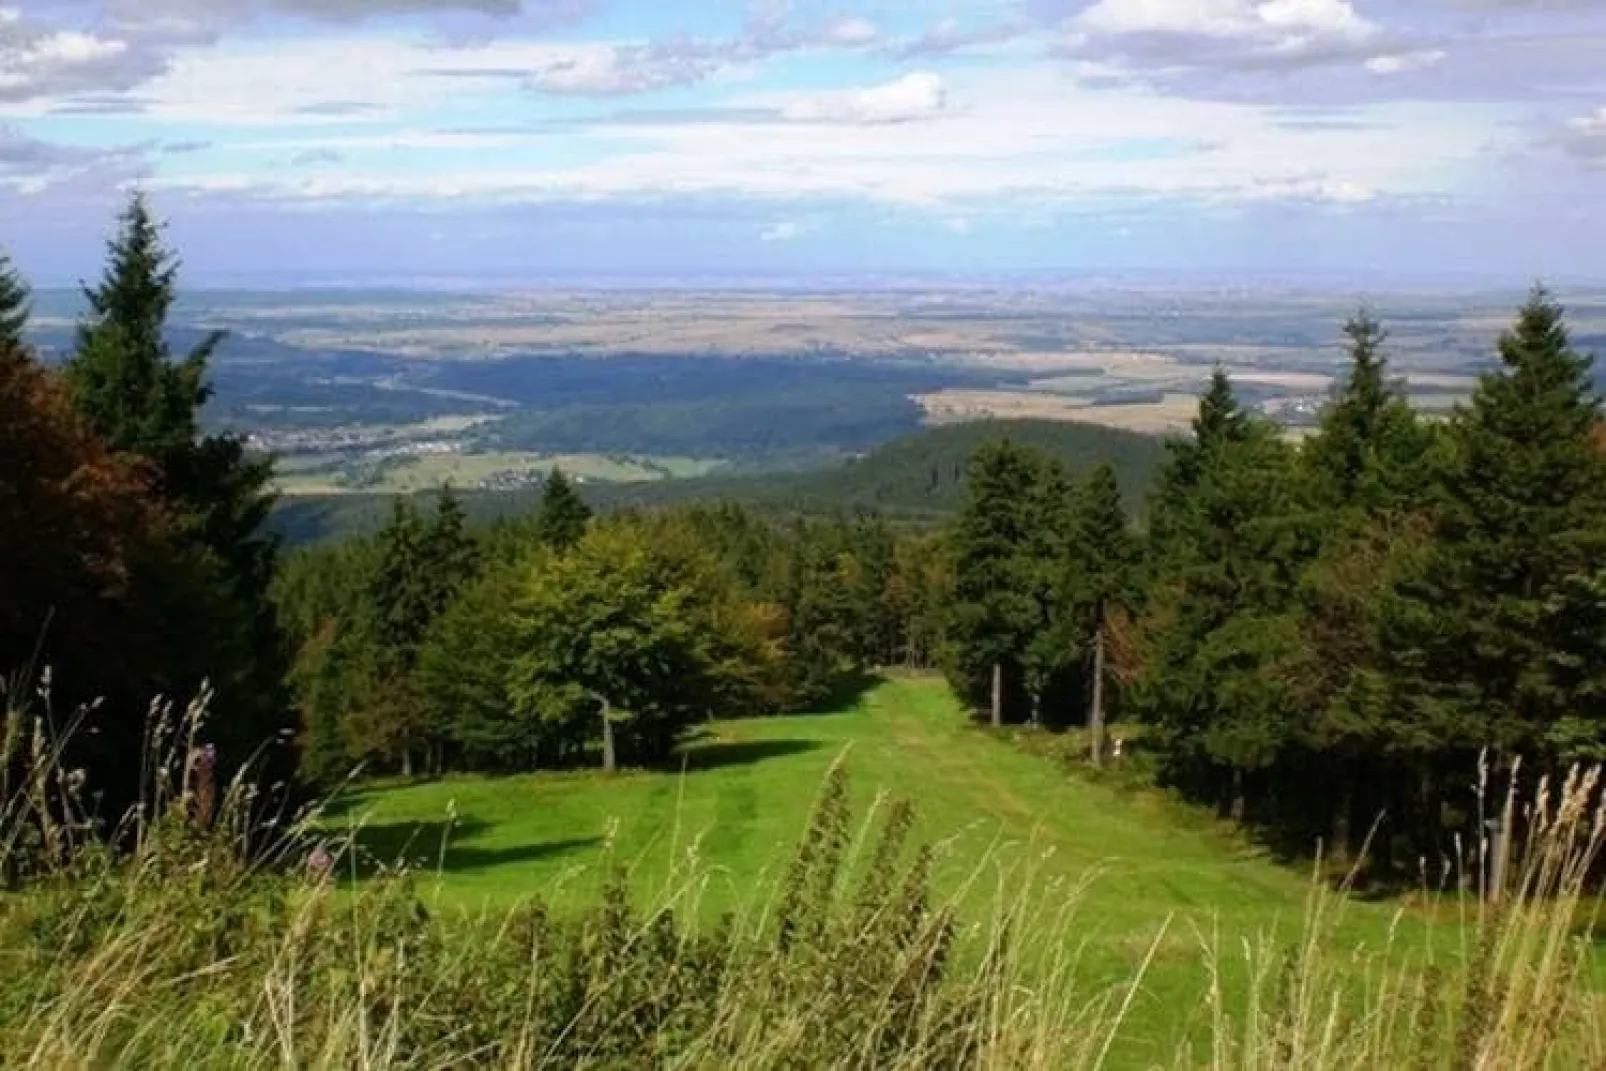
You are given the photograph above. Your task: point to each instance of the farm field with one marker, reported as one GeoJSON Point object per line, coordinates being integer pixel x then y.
{"type": "Point", "coordinates": [1106, 871]}
{"type": "Point", "coordinates": [493, 469]}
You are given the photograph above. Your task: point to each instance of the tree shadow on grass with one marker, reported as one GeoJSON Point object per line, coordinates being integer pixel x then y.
{"type": "Point", "coordinates": [722, 754]}
{"type": "Point", "coordinates": [445, 847]}
{"type": "Point", "coordinates": [844, 693]}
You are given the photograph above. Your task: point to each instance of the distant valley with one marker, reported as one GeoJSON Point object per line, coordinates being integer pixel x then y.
{"type": "Point", "coordinates": [384, 391]}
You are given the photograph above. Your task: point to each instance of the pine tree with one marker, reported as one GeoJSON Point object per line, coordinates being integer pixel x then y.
{"type": "Point", "coordinates": [451, 555]}
{"type": "Point", "coordinates": [14, 306]}
{"type": "Point", "coordinates": [1215, 628]}
{"type": "Point", "coordinates": [123, 377]}
{"type": "Point", "coordinates": [1219, 423]}
{"type": "Point", "coordinates": [561, 518]}
{"type": "Point", "coordinates": [1099, 577]}
{"type": "Point", "coordinates": [1497, 656]}
{"type": "Point", "coordinates": [1362, 471]}
{"type": "Point", "coordinates": [1004, 544]}
{"type": "Point", "coordinates": [126, 383]}
{"type": "Point", "coordinates": [1365, 456]}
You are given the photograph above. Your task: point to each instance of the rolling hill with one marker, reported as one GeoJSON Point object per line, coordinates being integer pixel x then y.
{"type": "Point", "coordinates": [917, 479]}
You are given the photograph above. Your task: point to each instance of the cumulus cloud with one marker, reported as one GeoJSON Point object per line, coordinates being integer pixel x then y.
{"type": "Point", "coordinates": [1240, 46]}
{"type": "Point", "coordinates": [40, 59]}
{"type": "Point", "coordinates": [916, 96]}
{"type": "Point", "coordinates": [65, 49]}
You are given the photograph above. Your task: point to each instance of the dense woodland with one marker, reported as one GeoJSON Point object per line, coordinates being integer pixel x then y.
{"type": "Point", "coordinates": [1319, 638]}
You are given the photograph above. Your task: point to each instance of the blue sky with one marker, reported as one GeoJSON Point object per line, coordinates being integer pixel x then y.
{"type": "Point", "coordinates": [450, 138]}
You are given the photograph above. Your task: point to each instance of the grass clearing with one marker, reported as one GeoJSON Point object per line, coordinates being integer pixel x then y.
{"type": "Point", "coordinates": [1004, 820]}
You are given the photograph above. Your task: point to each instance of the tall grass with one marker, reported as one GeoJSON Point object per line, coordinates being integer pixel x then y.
{"type": "Point", "coordinates": [190, 948]}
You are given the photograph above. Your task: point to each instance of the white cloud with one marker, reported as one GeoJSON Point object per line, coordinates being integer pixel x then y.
{"type": "Point", "coordinates": [1279, 19]}
{"type": "Point", "coordinates": [1590, 126]}
{"type": "Point", "coordinates": [1027, 137]}
{"type": "Point", "coordinates": [1406, 62]}
{"type": "Point", "coordinates": [784, 231]}
{"type": "Point", "coordinates": [851, 30]}
{"type": "Point", "coordinates": [916, 96]}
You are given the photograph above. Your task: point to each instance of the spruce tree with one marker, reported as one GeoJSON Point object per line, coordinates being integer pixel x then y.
{"type": "Point", "coordinates": [14, 306]}
{"type": "Point", "coordinates": [1365, 456]}
{"type": "Point", "coordinates": [1100, 577]}
{"type": "Point", "coordinates": [1362, 472]}
{"type": "Point", "coordinates": [1215, 626]}
{"type": "Point", "coordinates": [452, 557]}
{"type": "Point", "coordinates": [126, 383]}
{"type": "Point", "coordinates": [1004, 545]}
{"type": "Point", "coordinates": [123, 376]}
{"type": "Point", "coordinates": [561, 518]}
{"type": "Point", "coordinates": [1497, 656]}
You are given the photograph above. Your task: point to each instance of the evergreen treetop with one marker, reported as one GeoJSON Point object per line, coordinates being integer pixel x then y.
{"type": "Point", "coordinates": [562, 516]}
{"type": "Point", "coordinates": [122, 376]}
{"type": "Point", "coordinates": [14, 305]}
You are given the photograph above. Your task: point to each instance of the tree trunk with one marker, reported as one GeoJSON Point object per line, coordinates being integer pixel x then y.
{"type": "Point", "coordinates": [407, 763]}
{"type": "Point", "coordinates": [610, 758]}
{"type": "Point", "coordinates": [998, 695]}
{"type": "Point", "coordinates": [1339, 851]}
{"type": "Point", "coordinates": [1238, 806]}
{"type": "Point", "coordinates": [1095, 721]}
{"type": "Point", "coordinates": [1037, 710]}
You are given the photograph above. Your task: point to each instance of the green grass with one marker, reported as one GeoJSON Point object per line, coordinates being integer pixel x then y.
{"type": "Point", "coordinates": [1000, 815]}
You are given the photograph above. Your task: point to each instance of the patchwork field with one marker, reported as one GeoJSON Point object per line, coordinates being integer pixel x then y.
{"type": "Point", "coordinates": [500, 469]}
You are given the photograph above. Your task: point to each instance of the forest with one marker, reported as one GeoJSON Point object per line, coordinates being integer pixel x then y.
{"type": "Point", "coordinates": [1317, 638]}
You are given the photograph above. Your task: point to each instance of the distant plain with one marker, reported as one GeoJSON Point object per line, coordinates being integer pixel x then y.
{"type": "Point", "coordinates": [389, 390]}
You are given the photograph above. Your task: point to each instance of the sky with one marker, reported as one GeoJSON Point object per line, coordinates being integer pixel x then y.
{"type": "Point", "coordinates": [449, 139]}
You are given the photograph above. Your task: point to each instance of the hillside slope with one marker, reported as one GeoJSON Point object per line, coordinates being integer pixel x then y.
{"type": "Point", "coordinates": [1006, 822]}
{"type": "Point", "coordinates": [917, 478]}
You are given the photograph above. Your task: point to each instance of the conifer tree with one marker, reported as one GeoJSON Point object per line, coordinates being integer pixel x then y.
{"type": "Point", "coordinates": [1497, 655]}
{"type": "Point", "coordinates": [128, 386]}
{"type": "Point", "coordinates": [561, 518]}
{"type": "Point", "coordinates": [1100, 577]}
{"type": "Point", "coordinates": [123, 376]}
{"type": "Point", "coordinates": [1365, 456]}
{"type": "Point", "coordinates": [14, 306]}
{"type": "Point", "coordinates": [452, 557]}
{"type": "Point", "coordinates": [1363, 475]}
{"type": "Point", "coordinates": [1215, 628]}
{"type": "Point", "coordinates": [1004, 548]}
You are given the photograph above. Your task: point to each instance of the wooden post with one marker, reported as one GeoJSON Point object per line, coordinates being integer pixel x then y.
{"type": "Point", "coordinates": [1095, 721]}
{"type": "Point", "coordinates": [998, 695]}
{"type": "Point", "coordinates": [610, 759]}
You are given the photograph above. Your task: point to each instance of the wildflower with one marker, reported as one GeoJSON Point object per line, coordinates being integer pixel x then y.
{"type": "Point", "coordinates": [320, 864]}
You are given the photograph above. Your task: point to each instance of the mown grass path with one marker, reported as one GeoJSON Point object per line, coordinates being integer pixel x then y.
{"type": "Point", "coordinates": [1007, 824]}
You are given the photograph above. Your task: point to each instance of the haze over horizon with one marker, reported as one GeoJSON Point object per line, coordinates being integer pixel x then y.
{"type": "Point", "coordinates": [308, 140]}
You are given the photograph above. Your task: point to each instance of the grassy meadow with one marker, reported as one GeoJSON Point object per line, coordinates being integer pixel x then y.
{"type": "Point", "coordinates": [1110, 881]}
{"type": "Point", "coordinates": [771, 905]}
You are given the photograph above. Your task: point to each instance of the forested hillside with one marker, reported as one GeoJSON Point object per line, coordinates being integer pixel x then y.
{"type": "Point", "coordinates": [917, 479]}
{"type": "Point", "coordinates": [1305, 635]}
